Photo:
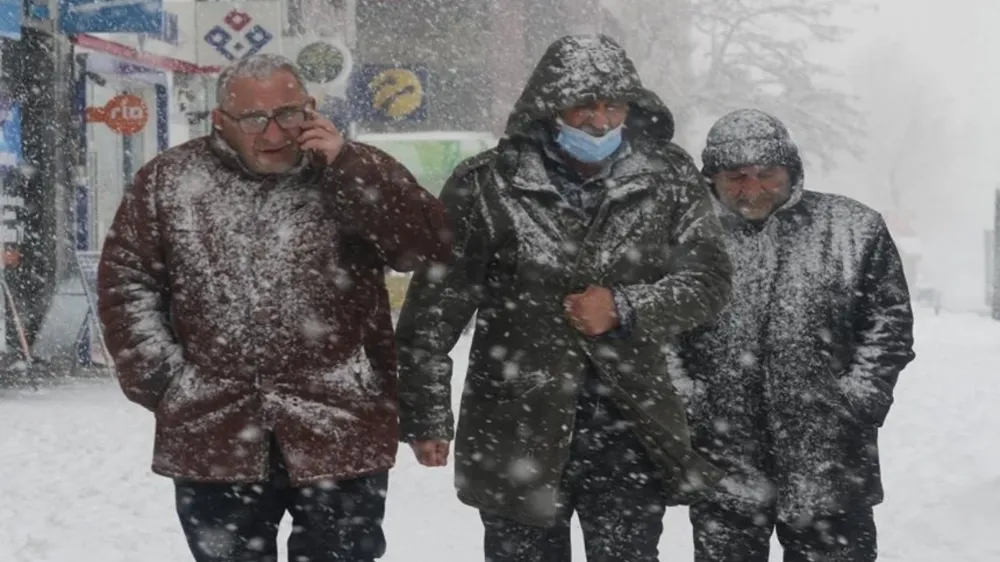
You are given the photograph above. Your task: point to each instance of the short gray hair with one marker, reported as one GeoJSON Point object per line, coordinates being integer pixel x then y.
{"type": "Point", "coordinates": [255, 66]}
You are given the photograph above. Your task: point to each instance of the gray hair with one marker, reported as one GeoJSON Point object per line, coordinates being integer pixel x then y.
{"type": "Point", "coordinates": [255, 66]}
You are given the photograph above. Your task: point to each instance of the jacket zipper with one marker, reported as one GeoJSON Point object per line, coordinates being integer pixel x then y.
{"type": "Point", "coordinates": [592, 230]}
{"type": "Point", "coordinates": [765, 333]}
{"type": "Point", "coordinates": [260, 195]}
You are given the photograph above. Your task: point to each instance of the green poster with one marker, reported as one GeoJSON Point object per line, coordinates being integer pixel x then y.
{"type": "Point", "coordinates": [431, 157]}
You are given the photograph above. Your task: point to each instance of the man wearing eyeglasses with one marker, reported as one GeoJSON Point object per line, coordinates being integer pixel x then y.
{"type": "Point", "coordinates": [788, 387]}
{"type": "Point", "coordinates": [242, 292]}
{"type": "Point", "coordinates": [585, 243]}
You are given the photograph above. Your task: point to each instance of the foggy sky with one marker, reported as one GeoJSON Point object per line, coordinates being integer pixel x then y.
{"type": "Point", "coordinates": [957, 43]}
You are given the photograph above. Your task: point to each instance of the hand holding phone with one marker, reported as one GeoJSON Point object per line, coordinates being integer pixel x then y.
{"type": "Point", "coordinates": [320, 135]}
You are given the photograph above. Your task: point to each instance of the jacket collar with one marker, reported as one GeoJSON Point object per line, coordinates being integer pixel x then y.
{"type": "Point", "coordinates": [232, 160]}
{"type": "Point", "coordinates": [522, 163]}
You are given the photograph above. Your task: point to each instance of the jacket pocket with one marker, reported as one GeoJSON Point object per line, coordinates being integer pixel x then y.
{"type": "Point", "coordinates": [303, 234]}
{"type": "Point", "coordinates": [839, 400]}
{"type": "Point", "coordinates": [170, 395]}
{"type": "Point", "coordinates": [507, 382]}
{"type": "Point", "coordinates": [366, 384]}
{"type": "Point", "coordinates": [363, 373]}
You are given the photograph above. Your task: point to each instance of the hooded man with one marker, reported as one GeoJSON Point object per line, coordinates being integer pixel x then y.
{"type": "Point", "coordinates": [788, 387]}
{"type": "Point", "coordinates": [584, 243]}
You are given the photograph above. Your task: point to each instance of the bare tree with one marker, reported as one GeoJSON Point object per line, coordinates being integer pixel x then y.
{"type": "Point", "coordinates": [708, 57]}
{"type": "Point", "coordinates": [658, 36]}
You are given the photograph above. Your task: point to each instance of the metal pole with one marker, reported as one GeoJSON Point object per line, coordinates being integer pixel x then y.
{"type": "Point", "coordinates": [996, 257]}
{"type": "Point", "coordinates": [988, 261]}
{"type": "Point", "coordinates": [3, 259]}
{"type": "Point", "coordinates": [3, 248]}
{"type": "Point", "coordinates": [81, 199]}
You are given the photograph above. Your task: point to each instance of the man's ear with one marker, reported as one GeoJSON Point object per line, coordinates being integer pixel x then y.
{"type": "Point", "coordinates": [217, 118]}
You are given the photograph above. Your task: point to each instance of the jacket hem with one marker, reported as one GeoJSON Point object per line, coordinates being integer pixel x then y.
{"type": "Point", "coordinates": [794, 518]}
{"type": "Point", "coordinates": [478, 503]}
{"type": "Point", "coordinates": [258, 477]}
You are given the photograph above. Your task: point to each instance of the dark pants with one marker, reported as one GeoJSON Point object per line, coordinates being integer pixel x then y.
{"type": "Point", "coordinates": [335, 522]}
{"type": "Point", "coordinates": [613, 487]}
{"type": "Point", "coordinates": [721, 535]}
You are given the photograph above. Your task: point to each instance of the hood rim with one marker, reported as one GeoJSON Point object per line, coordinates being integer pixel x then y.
{"type": "Point", "coordinates": [532, 111]}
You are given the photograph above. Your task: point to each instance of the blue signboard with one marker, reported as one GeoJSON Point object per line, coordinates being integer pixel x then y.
{"type": "Point", "coordinates": [11, 152]}
{"type": "Point", "coordinates": [110, 16]}
{"type": "Point", "coordinates": [11, 15]}
{"type": "Point", "coordinates": [36, 9]}
{"type": "Point", "coordinates": [170, 34]}
{"type": "Point", "coordinates": [114, 66]}
{"type": "Point", "coordinates": [386, 93]}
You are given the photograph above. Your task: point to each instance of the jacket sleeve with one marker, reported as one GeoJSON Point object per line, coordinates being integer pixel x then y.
{"type": "Point", "coordinates": [378, 199]}
{"type": "Point", "coordinates": [133, 298]}
{"type": "Point", "coordinates": [883, 328]}
{"type": "Point", "coordinates": [698, 282]}
{"type": "Point", "coordinates": [440, 301]}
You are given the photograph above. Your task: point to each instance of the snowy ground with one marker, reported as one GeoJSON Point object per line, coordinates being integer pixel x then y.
{"type": "Point", "coordinates": [75, 484]}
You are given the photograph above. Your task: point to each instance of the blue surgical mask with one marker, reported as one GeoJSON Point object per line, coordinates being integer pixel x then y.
{"type": "Point", "coordinates": [584, 146]}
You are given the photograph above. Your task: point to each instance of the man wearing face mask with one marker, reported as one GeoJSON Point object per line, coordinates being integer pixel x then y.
{"type": "Point", "coordinates": [585, 242]}
{"type": "Point", "coordinates": [788, 388]}
{"type": "Point", "coordinates": [243, 297]}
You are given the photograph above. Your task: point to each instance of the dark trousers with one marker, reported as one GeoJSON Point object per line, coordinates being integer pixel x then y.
{"type": "Point", "coordinates": [721, 535]}
{"type": "Point", "coordinates": [334, 522]}
{"type": "Point", "coordinates": [613, 487]}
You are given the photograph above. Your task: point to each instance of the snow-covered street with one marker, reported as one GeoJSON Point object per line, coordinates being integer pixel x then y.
{"type": "Point", "coordinates": [75, 484]}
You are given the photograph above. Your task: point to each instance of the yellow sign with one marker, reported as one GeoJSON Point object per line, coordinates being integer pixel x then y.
{"type": "Point", "coordinates": [397, 92]}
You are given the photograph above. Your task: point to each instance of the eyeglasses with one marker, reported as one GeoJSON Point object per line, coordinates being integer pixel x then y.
{"type": "Point", "coordinates": [256, 123]}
